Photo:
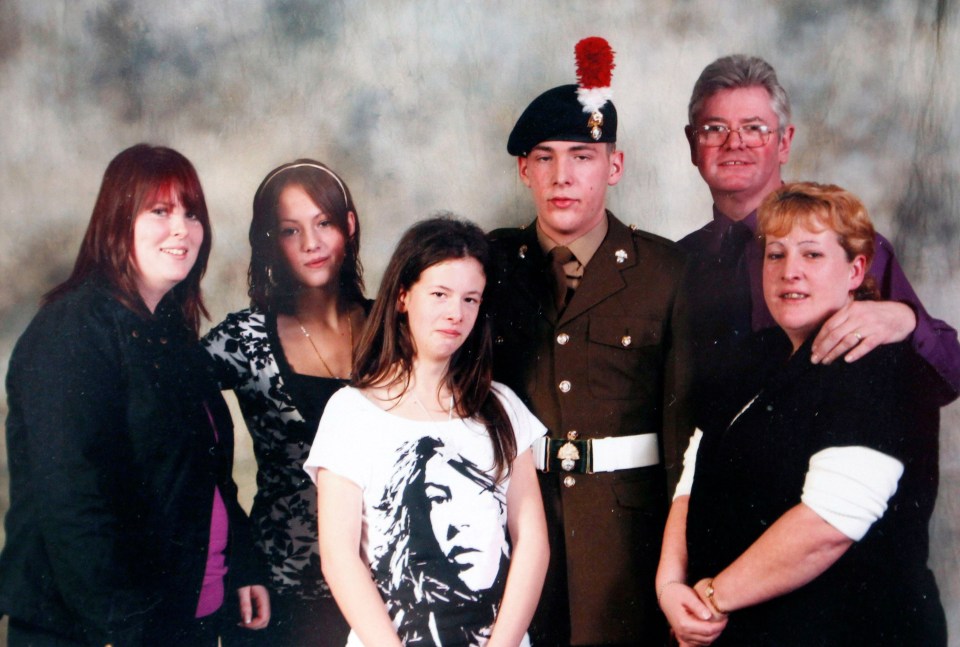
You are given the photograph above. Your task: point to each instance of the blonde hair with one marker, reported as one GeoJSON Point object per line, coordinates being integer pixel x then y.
{"type": "Point", "coordinates": [819, 207]}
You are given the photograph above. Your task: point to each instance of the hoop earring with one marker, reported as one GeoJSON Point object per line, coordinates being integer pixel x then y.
{"type": "Point", "coordinates": [272, 281]}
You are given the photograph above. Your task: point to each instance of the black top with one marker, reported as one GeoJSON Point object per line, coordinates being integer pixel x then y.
{"type": "Point", "coordinates": [309, 393]}
{"type": "Point", "coordinates": [113, 466]}
{"type": "Point", "coordinates": [749, 473]}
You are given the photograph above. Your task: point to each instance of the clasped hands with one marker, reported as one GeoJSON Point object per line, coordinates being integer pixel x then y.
{"type": "Point", "coordinates": [692, 618]}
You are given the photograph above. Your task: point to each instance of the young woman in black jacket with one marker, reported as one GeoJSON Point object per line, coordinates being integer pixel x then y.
{"type": "Point", "coordinates": [124, 526]}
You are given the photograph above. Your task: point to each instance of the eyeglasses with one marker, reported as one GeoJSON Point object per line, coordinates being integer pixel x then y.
{"type": "Point", "coordinates": [751, 135]}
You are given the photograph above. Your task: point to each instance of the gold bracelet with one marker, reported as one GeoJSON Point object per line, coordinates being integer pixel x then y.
{"type": "Point", "coordinates": [709, 592]}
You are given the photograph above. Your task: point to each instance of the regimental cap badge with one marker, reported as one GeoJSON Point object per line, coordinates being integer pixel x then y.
{"type": "Point", "coordinates": [594, 74]}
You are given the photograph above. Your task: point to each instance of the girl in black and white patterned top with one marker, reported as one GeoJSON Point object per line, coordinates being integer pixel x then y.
{"type": "Point", "coordinates": [284, 357]}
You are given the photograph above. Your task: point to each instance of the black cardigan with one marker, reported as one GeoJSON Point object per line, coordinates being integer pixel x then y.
{"type": "Point", "coordinates": [113, 464]}
{"type": "Point", "coordinates": [749, 472]}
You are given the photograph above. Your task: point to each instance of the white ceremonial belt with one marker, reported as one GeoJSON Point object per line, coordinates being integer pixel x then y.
{"type": "Point", "coordinates": [596, 454]}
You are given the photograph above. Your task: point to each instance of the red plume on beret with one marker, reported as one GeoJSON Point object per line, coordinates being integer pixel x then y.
{"type": "Point", "coordinates": [594, 62]}
{"type": "Point", "coordinates": [594, 72]}
{"type": "Point", "coordinates": [573, 113]}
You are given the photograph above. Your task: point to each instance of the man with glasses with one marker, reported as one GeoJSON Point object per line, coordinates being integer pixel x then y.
{"type": "Point", "coordinates": [740, 135]}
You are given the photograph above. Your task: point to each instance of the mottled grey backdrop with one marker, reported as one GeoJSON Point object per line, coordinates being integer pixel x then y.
{"type": "Point", "coordinates": [412, 103]}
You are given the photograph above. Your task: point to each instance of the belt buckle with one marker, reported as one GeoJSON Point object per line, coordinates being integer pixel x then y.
{"type": "Point", "coordinates": [570, 455]}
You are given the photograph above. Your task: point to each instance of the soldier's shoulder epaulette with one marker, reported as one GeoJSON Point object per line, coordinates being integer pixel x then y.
{"type": "Point", "coordinates": [505, 234]}
{"type": "Point", "coordinates": [653, 238]}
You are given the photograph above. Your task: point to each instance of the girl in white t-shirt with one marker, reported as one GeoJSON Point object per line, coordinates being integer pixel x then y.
{"type": "Point", "coordinates": [432, 529]}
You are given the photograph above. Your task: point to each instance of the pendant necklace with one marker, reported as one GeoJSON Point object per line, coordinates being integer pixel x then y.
{"type": "Point", "coordinates": [427, 411]}
{"type": "Point", "coordinates": [317, 350]}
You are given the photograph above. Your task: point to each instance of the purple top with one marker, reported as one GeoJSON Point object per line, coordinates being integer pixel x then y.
{"type": "Point", "coordinates": [933, 340]}
{"type": "Point", "coordinates": [212, 590]}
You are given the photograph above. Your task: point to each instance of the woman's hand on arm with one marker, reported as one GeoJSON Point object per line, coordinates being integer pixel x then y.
{"type": "Point", "coordinates": [692, 621]}
{"type": "Point", "coordinates": [339, 517]}
{"type": "Point", "coordinates": [795, 550]}
{"type": "Point", "coordinates": [254, 606]}
{"type": "Point", "coordinates": [531, 554]}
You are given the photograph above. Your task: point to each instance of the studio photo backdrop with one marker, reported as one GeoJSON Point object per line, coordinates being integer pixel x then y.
{"type": "Point", "coordinates": [411, 102]}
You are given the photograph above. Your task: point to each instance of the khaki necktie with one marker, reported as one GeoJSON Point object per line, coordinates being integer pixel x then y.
{"type": "Point", "coordinates": [560, 256]}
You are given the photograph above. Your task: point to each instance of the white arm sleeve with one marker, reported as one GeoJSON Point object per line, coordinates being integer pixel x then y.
{"type": "Point", "coordinates": [848, 487]}
{"type": "Point", "coordinates": [685, 484]}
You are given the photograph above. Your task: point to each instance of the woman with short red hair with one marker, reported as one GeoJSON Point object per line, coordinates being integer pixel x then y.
{"type": "Point", "coordinates": [801, 515]}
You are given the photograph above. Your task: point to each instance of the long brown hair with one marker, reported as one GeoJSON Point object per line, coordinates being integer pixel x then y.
{"type": "Point", "coordinates": [386, 344]}
{"type": "Point", "coordinates": [271, 285]}
{"type": "Point", "coordinates": [134, 178]}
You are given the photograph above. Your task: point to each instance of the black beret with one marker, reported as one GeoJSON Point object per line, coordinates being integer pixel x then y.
{"type": "Point", "coordinates": [557, 115]}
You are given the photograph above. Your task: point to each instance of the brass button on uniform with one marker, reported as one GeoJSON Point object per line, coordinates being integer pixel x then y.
{"type": "Point", "coordinates": [565, 386]}
{"type": "Point", "coordinates": [573, 434]}
{"type": "Point", "coordinates": [563, 338]}
{"type": "Point", "coordinates": [135, 334]}
{"type": "Point", "coordinates": [498, 340]}
{"type": "Point", "coordinates": [569, 481]}
{"type": "Point", "coordinates": [626, 340]}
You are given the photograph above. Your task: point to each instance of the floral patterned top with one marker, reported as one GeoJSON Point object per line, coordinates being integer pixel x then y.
{"type": "Point", "coordinates": [282, 410]}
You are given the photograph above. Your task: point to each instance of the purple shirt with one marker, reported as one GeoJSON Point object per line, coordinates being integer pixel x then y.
{"type": "Point", "coordinates": [212, 591]}
{"type": "Point", "coordinates": [933, 340]}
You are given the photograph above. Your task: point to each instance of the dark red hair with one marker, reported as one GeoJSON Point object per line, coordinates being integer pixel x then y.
{"type": "Point", "coordinates": [135, 178]}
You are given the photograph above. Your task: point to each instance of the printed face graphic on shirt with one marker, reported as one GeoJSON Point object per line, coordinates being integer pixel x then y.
{"type": "Point", "coordinates": [462, 500]}
{"type": "Point", "coordinates": [444, 555]}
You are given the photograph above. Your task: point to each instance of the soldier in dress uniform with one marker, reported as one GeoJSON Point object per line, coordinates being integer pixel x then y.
{"type": "Point", "coordinates": [583, 310]}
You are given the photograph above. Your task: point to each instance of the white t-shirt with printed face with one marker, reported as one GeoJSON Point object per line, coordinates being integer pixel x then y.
{"type": "Point", "coordinates": [434, 521]}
